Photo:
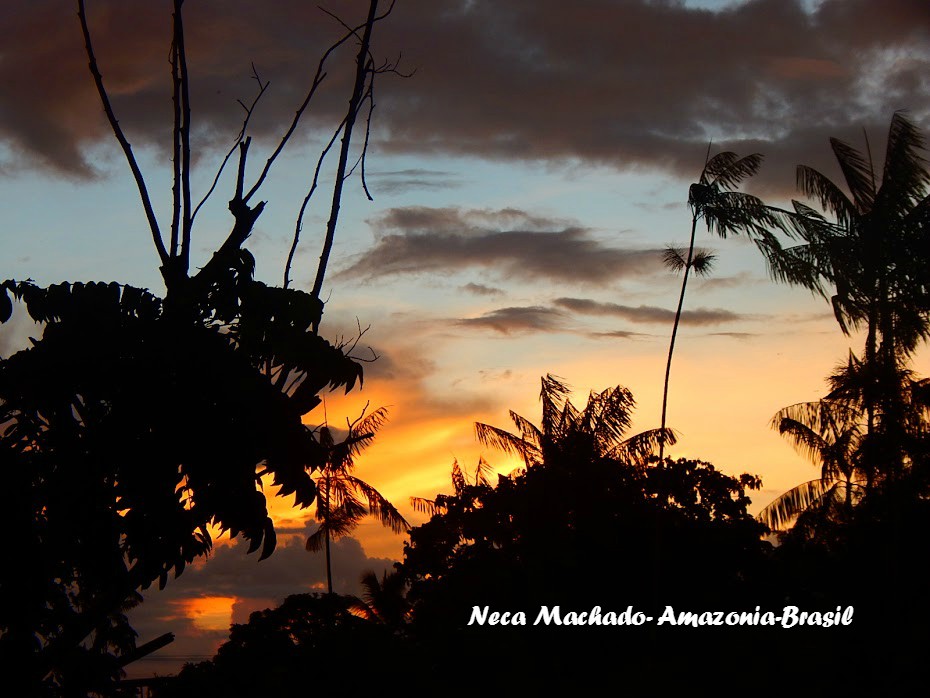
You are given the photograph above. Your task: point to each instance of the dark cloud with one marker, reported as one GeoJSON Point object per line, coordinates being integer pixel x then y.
{"type": "Point", "coordinates": [482, 290]}
{"type": "Point", "coordinates": [734, 335]}
{"type": "Point", "coordinates": [289, 570]}
{"type": "Point", "coordinates": [648, 313]}
{"type": "Point", "coordinates": [254, 585]}
{"type": "Point", "coordinates": [743, 278]}
{"type": "Point", "coordinates": [624, 83]}
{"type": "Point", "coordinates": [517, 244]}
{"type": "Point", "coordinates": [517, 320]}
{"type": "Point", "coordinates": [415, 179]}
{"type": "Point", "coordinates": [618, 334]}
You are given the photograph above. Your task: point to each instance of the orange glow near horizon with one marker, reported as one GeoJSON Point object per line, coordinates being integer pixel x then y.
{"type": "Point", "coordinates": [207, 612]}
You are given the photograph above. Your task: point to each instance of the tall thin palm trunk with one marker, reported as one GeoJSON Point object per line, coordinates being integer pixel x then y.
{"type": "Point", "coordinates": [714, 199]}
{"type": "Point", "coordinates": [329, 568]}
{"type": "Point", "coordinates": [671, 346]}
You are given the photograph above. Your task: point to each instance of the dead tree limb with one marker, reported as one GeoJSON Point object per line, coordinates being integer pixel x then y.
{"type": "Point", "coordinates": [361, 72]}
{"type": "Point", "coordinates": [124, 143]}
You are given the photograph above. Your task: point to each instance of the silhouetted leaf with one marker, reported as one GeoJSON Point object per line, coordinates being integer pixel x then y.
{"type": "Point", "coordinates": [6, 306]}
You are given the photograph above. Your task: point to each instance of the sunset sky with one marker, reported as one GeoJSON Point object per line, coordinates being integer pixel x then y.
{"type": "Point", "coordinates": [526, 179]}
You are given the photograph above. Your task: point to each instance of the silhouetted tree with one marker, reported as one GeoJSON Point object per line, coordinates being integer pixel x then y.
{"type": "Point", "coordinates": [830, 433]}
{"type": "Point", "coordinates": [725, 211]}
{"type": "Point", "coordinates": [460, 487]}
{"type": "Point", "coordinates": [383, 601]}
{"type": "Point", "coordinates": [598, 431]}
{"type": "Point", "coordinates": [574, 528]}
{"type": "Point", "coordinates": [586, 496]}
{"type": "Point", "coordinates": [136, 422]}
{"type": "Point", "coordinates": [872, 254]}
{"type": "Point", "coordinates": [343, 500]}
{"type": "Point", "coordinates": [309, 639]}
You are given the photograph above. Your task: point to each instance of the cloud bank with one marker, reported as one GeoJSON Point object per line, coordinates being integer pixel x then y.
{"type": "Point", "coordinates": [514, 243]}
{"type": "Point", "coordinates": [623, 83]}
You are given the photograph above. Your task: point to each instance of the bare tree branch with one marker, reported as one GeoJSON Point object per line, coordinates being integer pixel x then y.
{"type": "Point", "coordinates": [361, 70]}
{"type": "Point", "coordinates": [185, 131]}
{"type": "Point", "coordinates": [303, 206]}
{"type": "Point", "coordinates": [124, 143]}
{"type": "Point", "coordinates": [317, 80]}
{"type": "Point", "coordinates": [175, 147]}
{"type": "Point", "coordinates": [242, 131]}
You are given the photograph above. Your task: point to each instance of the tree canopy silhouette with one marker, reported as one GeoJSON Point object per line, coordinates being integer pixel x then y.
{"type": "Point", "coordinates": [870, 430]}
{"type": "Point", "coordinates": [137, 422]}
{"type": "Point", "coordinates": [870, 251]}
{"type": "Point", "coordinates": [585, 498]}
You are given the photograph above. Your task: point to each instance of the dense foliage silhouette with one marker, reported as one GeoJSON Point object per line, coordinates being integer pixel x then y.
{"type": "Point", "coordinates": [576, 528]}
{"type": "Point", "coordinates": [136, 422]}
{"type": "Point", "coordinates": [868, 257]}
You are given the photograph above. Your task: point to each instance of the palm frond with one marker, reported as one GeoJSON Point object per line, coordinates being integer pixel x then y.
{"type": "Point", "coordinates": [797, 265]}
{"type": "Point", "coordinates": [458, 479]}
{"type": "Point", "coordinates": [734, 212]}
{"type": "Point", "coordinates": [779, 515]}
{"type": "Point", "coordinates": [507, 442]}
{"type": "Point", "coordinates": [339, 523]}
{"type": "Point", "coordinates": [362, 431]}
{"type": "Point", "coordinates": [818, 186]}
{"type": "Point", "coordinates": [529, 432]}
{"type": "Point", "coordinates": [807, 441]}
{"type": "Point", "coordinates": [674, 258]}
{"type": "Point", "coordinates": [566, 424]}
{"type": "Point", "coordinates": [717, 164]}
{"type": "Point", "coordinates": [703, 262]}
{"type": "Point", "coordinates": [608, 415]}
{"type": "Point", "coordinates": [426, 506]}
{"type": "Point", "coordinates": [858, 173]}
{"type": "Point", "coordinates": [905, 176]}
{"type": "Point", "coordinates": [726, 170]}
{"type": "Point", "coordinates": [638, 448]}
{"type": "Point", "coordinates": [483, 473]}
{"type": "Point", "coordinates": [316, 541]}
{"type": "Point", "coordinates": [379, 507]}
{"type": "Point", "coordinates": [553, 394]}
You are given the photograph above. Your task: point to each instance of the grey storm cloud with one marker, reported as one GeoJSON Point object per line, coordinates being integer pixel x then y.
{"type": "Point", "coordinates": [514, 243]}
{"type": "Point", "coordinates": [624, 83]}
{"type": "Point", "coordinates": [648, 313]}
{"type": "Point", "coordinates": [517, 320]}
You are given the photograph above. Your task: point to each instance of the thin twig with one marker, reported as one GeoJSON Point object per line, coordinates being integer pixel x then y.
{"type": "Point", "coordinates": [242, 131]}
{"type": "Point", "coordinates": [371, 108]}
{"type": "Point", "coordinates": [303, 206]}
{"type": "Point", "coordinates": [317, 80]}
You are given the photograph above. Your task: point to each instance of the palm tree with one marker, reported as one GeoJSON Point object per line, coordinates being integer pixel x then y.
{"type": "Point", "coordinates": [460, 486]}
{"type": "Point", "coordinates": [873, 252]}
{"type": "Point", "coordinates": [830, 432]}
{"type": "Point", "coordinates": [598, 431]}
{"type": "Point", "coordinates": [725, 211]}
{"type": "Point", "coordinates": [383, 601]}
{"type": "Point", "coordinates": [343, 499]}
